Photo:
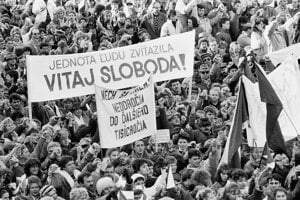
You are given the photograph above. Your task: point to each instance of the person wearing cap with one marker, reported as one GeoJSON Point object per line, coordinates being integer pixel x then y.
{"type": "Point", "coordinates": [44, 11]}
{"type": "Point", "coordinates": [204, 73]}
{"type": "Point", "coordinates": [154, 20]}
{"type": "Point", "coordinates": [244, 38]}
{"type": "Point", "coordinates": [169, 27]}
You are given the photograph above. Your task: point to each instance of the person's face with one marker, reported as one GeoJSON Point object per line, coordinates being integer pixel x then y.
{"type": "Point", "coordinates": [280, 195]}
{"type": "Point", "coordinates": [211, 196]}
{"type": "Point", "coordinates": [273, 183]}
{"type": "Point", "coordinates": [233, 194]}
{"type": "Point", "coordinates": [140, 183]}
{"type": "Point", "coordinates": [182, 143]}
{"type": "Point", "coordinates": [54, 152]}
{"type": "Point", "coordinates": [175, 120]}
{"type": "Point", "coordinates": [34, 189]}
{"type": "Point", "coordinates": [108, 189]}
{"type": "Point", "coordinates": [201, 12]}
{"type": "Point", "coordinates": [203, 46]}
{"type": "Point", "coordinates": [60, 15]}
{"type": "Point", "coordinates": [10, 46]}
{"type": "Point", "coordinates": [9, 78]}
{"type": "Point", "coordinates": [205, 129]}
{"type": "Point", "coordinates": [139, 146]}
{"type": "Point", "coordinates": [173, 18]}
{"type": "Point", "coordinates": [34, 170]}
{"type": "Point", "coordinates": [224, 176]}
{"type": "Point", "coordinates": [16, 104]}
{"type": "Point", "coordinates": [214, 95]}
{"type": "Point", "coordinates": [107, 16]}
{"type": "Point", "coordinates": [156, 8]}
{"type": "Point", "coordinates": [17, 38]}
{"type": "Point", "coordinates": [226, 25]}
{"type": "Point", "coordinates": [195, 161]}
{"type": "Point", "coordinates": [35, 34]}
{"type": "Point", "coordinates": [71, 17]}
{"type": "Point", "coordinates": [151, 171]}
{"type": "Point", "coordinates": [68, 105]}
{"type": "Point", "coordinates": [144, 169]}
{"type": "Point", "coordinates": [70, 167]}
{"type": "Point", "coordinates": [78, 112]}
{"type": "Point", "coordinates": [114, 155]}
{"type": "Point", "coordinates": [213, 46]}
{"type": "Point", "coordinates": [285, 159]}
{"type": "Point", "coordinates": [210, 115]}
{"type": "Point", "coordinates": [176, 86]}
{"type": "Point", "coordinates": [283, 3]}
{"type": "Point", "coordinates": [173, 167]}
{"type": "Point", "coordinates": [88, 182]}
{"type": "Point", "coordinates": [121, 19]}
{"type": "Point", "coordinates": [295, 3]}
{"type": "Point", "coordinates": [190, 23]}
{"type": "Point", "coordinates": [5, 196]}
{"type": "Point", "coordinates": [204, 73]}
{"type": "Point", "coordinates": [110, 171]}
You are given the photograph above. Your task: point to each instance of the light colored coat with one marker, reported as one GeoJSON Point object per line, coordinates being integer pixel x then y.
{"type": "Point", "coordinates": [38, 6]}
{"type": "Point", "coordinates": [168, 29]}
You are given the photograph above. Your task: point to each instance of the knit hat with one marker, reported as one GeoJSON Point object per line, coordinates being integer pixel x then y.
{"type": "Point", "coordinates": [44, 190]}
{"type": "Point", "coordinates": [104, 183]}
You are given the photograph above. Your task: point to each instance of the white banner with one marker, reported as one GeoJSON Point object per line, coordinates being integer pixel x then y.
{"type": "Point", "coordinates": [64, 76]}
{"type": "Point", "coordinates": [125, 116]}
{"type": "Point", "coordinates": [285, 81]}
{"type": "Point", "coordinates": [279, 56]}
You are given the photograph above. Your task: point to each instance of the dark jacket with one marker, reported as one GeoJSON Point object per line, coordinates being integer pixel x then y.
{"type": "Point", "coordinates": [147, 24]}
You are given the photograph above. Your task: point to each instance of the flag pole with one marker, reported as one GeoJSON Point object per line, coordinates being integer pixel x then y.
{"type": "Point", "coordinates": [29, 92]}
{"type": "Point", "coordinates": [190, 89]}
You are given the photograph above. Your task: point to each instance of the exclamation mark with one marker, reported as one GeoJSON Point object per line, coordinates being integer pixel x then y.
{"type": "Point", "coordinates": [182, 59]}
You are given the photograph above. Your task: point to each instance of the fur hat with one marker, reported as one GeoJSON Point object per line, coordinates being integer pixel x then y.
{"type": "Point", "coordinates": [103, 183]}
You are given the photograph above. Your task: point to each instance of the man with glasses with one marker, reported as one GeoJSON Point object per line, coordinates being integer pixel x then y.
{"type": "Point", "coordinates": [153, 21]}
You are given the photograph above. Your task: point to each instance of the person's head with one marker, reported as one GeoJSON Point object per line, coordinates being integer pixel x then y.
{"type": "Point", "coordinates": [232, 191]}
{"type": "Point", "coordinates": [171, 162]}
{"type": "Point", "coordinates": [33, 186]}
{"type": "Point", "coordinates": [16, 101]}
{"type": "Point", "coordinates": [68, 104]}
{"type": "Point", "coordinates": [5, 194]}
{"type": "Point", "coordinates": [85, 180]}
{"type": "Point", "coordinates": [139, 146]}
{"type": "Point", "coordinates": [49, 191]}
{"type": "Point", "coordinates": [104, 186]}
{"type": "Point", "coordinates": [214, 94]}
{"type": "Point", "coordinates": [186, 178]}
{"type": "Point", "coordinates": [67, 163]}
{"type": "Point", "coordinates": [183, 140]}
{"type": "Point", "coordinates": [201, 10]}
{"type": "Point", "coordinates": [208, 194]}
{"type": "Point", "coordinates": [280, 194]}
{"type": "Point", "coordinates": [192, 22]}
{"type": "Point", "coordinates": [35, 34]}
{"type": "Point", "coordinates": [201, 178]}
{"type": "Point", "coordinates": [225, 23]}
{"type": "Point", "coordinates": [121, 18]}
{"type": "Point", "coordinates": [205, 125]}
{"type": "Point", "coordinates": [259, 25]}
{"type": "Point", "coordinates": [32, 167]}
{"type": "Point", "coordinates": [79, 194]}
{"type": "Point", "coordinates": [138, 181]}
{"type": "Point", "coordinates": [204, 72]}
{"type": "Point", "coordinates": [213, 45]}
{"type": "Point", "coordinates": [54, 149]}
{"type": "Point", "coordinates": [274, 181]}
{"type": "Point", "coordinates": [140, 165]}
{"type": "Point", "coordinates": [113, 154]}
{"type": "Point", "coordinates": [156, 7]}
{"type": "Point", "coordinates": [109, 170]}
{"type": "Point", "coordinates": [203, 44]}
{"type": "Point", "coordinates": [176, 85]}
{"type": "Point", "coordinates": [194, 156]}
{"type": "Point", "coordinates": [295, 4]}
{"type": "Point", "coordinates": [172, 15]}
{"type": "Point", "coordinates": [223, 173]}
{"type": "Point", "coordinates": [282, 3]}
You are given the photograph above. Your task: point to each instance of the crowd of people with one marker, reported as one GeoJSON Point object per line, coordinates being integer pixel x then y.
{"type": "Point", "coordinates": [57, 155]}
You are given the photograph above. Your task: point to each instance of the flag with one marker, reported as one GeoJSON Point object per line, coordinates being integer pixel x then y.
{"type": "Point", "coordinates": [274, 107]}
{"type": "Point", "coordinates": [267, 155]}
{"type": "Point", "coordinates": [231, 155]}
{"type": "Point", "coordinates": [170, 179]}
{"type": "Point", "coordinates": [126, 195]}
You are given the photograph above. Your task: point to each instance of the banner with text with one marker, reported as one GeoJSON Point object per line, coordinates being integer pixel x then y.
{"type": "Point", "coordinates": [125, 116]}
{"type": "Point", "coordinates": [65, 76]}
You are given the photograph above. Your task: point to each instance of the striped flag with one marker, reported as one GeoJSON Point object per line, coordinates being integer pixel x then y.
{"type": "Point", "coordinates": [231, 154]}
